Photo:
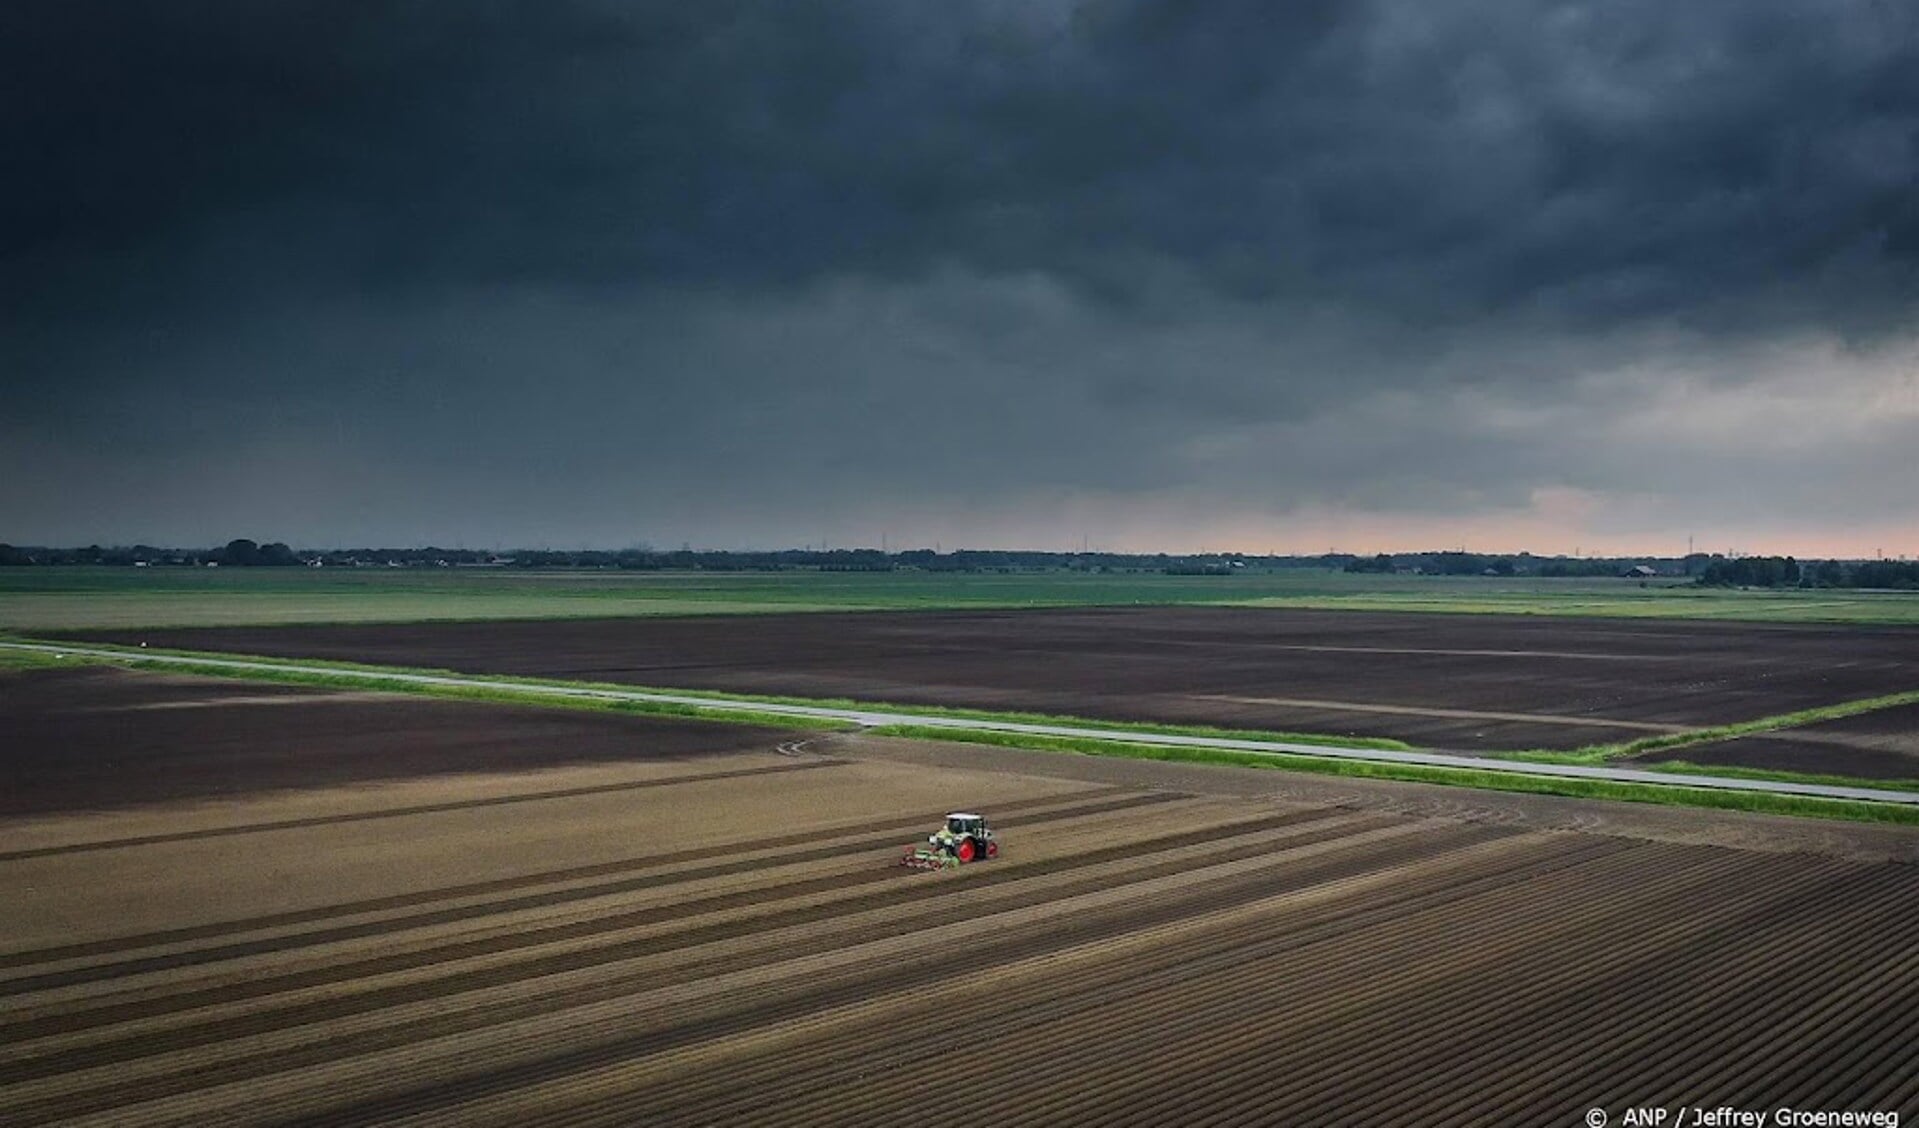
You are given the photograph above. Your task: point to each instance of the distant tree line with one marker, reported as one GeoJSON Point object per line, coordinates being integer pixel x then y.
{"type": "Point", "coordinates": [248, 553]}
{"type": "Point", "coordinates": [1784, 571]}
{"type": "Point", "coordinates": [1707, 569]}
{"type": "Point", "coordinates": [1752, 571]}
{"type": "Point", "coordinates": [1441, 564]}
{"type": "Point", "coordinates": [1519, 564]}
{"type": "Point", "coordinates": [1896, 575]}
{"type": "Point", "coordinates": [237, 553]}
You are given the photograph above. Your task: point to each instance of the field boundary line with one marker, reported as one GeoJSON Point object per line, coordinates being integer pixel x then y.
{"type": "Point", "coordinates": [874, 718]}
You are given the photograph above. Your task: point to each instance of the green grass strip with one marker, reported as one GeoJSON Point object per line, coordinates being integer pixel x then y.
{"type": "Point", "coordinates": [1492, 779]}
{"type": "Point", "coordinates": [29, 660]}
{"type": "Point", "coordinates": [1772, 775]}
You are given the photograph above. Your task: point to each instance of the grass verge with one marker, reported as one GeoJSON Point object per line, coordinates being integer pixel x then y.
{"type": "Point", "coordinates": [30, 660]}
{"type": "Point", "coordinates": [1672, 795]}
{"type": "Point", "coordinates": [1730, 771]}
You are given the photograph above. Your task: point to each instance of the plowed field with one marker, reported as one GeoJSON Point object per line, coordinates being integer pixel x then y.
{"type": "Point", "coordinates": [98, 738]}
{"type": "Point", "coordinates": [1438, 681]}
{"type": "Point", "coordinates": [727, 942]}
{"type": "Point", "coordinates": [1882, 744]}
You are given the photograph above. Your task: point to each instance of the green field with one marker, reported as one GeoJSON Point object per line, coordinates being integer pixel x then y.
{"type": "Point", "coordinates": [76, 598]}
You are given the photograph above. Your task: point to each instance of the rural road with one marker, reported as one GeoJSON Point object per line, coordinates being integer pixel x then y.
{"type": "Point", "coordinates": [875, 717]}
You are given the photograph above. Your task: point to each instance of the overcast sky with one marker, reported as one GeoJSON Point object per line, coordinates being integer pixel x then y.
{"type": "Point", "coordinates": [1163, 275]}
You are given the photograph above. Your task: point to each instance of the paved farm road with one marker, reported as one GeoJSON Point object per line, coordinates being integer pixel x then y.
{"type": "Point", "coordinates": [874, 717]}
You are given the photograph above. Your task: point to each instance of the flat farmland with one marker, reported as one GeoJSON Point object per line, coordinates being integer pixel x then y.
{"type": "Point", "coordinates": [717, 936]}
{"type": "Point", "coordinates": [99, 738]}
{"type": "Point", "coordinates": [1440, 681]}
{"type": "Point", "coordinates": [1882, 744]}
{"type": "Point", "coordinates": [74, 597]}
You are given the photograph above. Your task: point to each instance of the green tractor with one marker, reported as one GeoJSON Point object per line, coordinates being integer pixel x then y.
{"type": "Point", "coordinates": [965, 838]}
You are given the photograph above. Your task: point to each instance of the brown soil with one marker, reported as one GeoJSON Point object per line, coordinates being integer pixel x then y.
{"type": "Point", "coordinates": [1880, 745]}
{"type": "Point", "coordinates": [1650, 822]}
{"type": "Point", "coordinates": [1451, 681]}
{"type": "Point", "coordinates": [97, 738]}
{"type": "Point", "coordinates": [1158, 944]}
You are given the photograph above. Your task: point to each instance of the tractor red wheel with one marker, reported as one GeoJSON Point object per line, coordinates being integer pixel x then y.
{"type": "Point", "coordinates": [966, 850]}
{"type": "Point", "coordinates": [992, 850]}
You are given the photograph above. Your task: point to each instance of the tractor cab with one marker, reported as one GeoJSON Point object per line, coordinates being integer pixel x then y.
{"type": "Point", "coordinates": [963, 823]}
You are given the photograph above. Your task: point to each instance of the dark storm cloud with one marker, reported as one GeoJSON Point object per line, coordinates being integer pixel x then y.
{"type": "Point", "coordinates": [748, 254]}
{"type": "Point", "coordinates": [1601, 160]}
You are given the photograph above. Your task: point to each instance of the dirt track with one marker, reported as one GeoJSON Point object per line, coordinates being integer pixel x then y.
{"type": "Point", "coordinates": [1440, 681]}
{"type": "Point", "coordinates": [729, 944]}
